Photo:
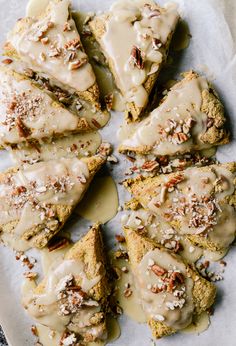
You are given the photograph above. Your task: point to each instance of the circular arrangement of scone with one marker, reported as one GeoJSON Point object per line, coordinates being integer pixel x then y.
{"type": "Point", "coordinates": [183, 207]}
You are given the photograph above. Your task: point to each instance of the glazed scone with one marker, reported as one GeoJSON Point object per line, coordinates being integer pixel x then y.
{"type": "Point", "coordinates": [134, 36]}
{"type": "Point", "coordinates": [198, 203]}
{"type": "Point", "coordinates": [77, 145]}
{"type": "Point", "coordinates": [72, 298]}
{"type": "Point", "coordinates": [190, 117]}
{"type": "Point", "coordinates": [171, 291]}
{"type": "Point", "coordinates": [51, 44]}
{"type": "Point", "coordinates": [27, 113]}
{"type": "Point", "coordinates": [38, 199]}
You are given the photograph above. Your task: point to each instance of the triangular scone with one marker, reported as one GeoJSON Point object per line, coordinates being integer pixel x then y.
{"type": "Point", "coordinates": [190, 117]}
{"type": "Point", "coordinates": [72, 298]}
{"type": "Point", "coordinates": [27, 113]}
{"type": "Point", "coordinates": [171, 291]}
{"type": "Point", "coordinates": [51, 44]}
{"type": "Point", "coordinates": [36, 201]}
{"type": "Point", "coordinates": [135, 36]}
{"type": "Point", "coordinates": [197, 202]}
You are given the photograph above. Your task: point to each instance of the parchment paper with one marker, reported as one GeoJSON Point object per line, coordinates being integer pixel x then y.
{"type": "Point", "coordinates": [212, 50]}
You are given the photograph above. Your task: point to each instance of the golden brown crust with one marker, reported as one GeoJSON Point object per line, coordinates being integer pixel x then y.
{"type": "Point", "coordinates": [98, 28]}
{"type": "Point", "coordinates": [203, 291]}
{"type": "Point", "coordinates": [41, 234]}
{"type": "Point", "coordinates": [90, 250]}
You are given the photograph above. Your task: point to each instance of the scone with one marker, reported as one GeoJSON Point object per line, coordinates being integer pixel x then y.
{"type": "Point", "coordinates": [50, 44]}
{"type": "Point", "coordinates": [198, 203]}
{"type": "Point", "coordinates": [171, 292]}
{"type": "Point", "coordinates": [36, 201]}
{"type": "Point", "coordinates": [134, 36]}
{"type": "Point", "coordinates": [72, 298]}
{"type": "Point", "coordinates": [77, 145]}
{"type": "Point", "coordinates": [28, 114]}
{"type": "Point", "coordinates": [190, 118]}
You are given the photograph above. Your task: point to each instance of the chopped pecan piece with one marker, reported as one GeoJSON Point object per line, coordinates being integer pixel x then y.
{"type": "Point", "coordinates": [156, 43]}
{"type": "Point", "coordinates": [137, 57]}
{"type": "Point", "coordinates": [57, 243]}
{"type": "Point", "coordinates": [175, 180]}
{"type": "Point", "coordinates": [109, 101]}
{"type": "Point", "coordinates": [73, 44]}
{"type": "Point", "coordinates": [128, 292]}
{"type": "Point", "coordinates": [7, 61]}
{"type": "Point", "coordinates": [157, 270]}
{"type": "Point", "coordinates": [149, 166]}
{"type": "Point", "coordinates": [120, 238]}
{"type": "Point", "coordinates": [96, 123]}
{"type": "Point", "coordinates": [75, 65]}
{"type": "Point", "coordinates": [23, 130]}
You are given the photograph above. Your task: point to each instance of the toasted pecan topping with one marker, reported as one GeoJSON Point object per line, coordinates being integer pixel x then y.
{"type": "Point", "coordinates": [23, 130]}
{"type": "Point", "coordinates": [57, 243]}
{"type": "Point", "coordinates": [157, 270]}
{"type": "Point", "coordinates": [137, 58]}
{"type": "Point", "coordinates": [178, 178]}
{"type": "Point", "coordinates": [7, 61]}
{"type": "Point", "coordinates": [120, 238]}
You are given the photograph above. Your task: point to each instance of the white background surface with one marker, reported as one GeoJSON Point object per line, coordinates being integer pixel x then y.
{"type": "Point", "coordinates": [213, 27]}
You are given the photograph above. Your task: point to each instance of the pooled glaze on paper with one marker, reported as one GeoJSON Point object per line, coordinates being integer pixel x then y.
{"type": "Point", "coordinates": [131, 306]}
{"type": "Point", "coordinates": [100, 203]}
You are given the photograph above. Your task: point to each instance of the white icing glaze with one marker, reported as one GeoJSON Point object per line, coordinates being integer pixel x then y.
{"type": "Point", "coordinates": [139, 22]}
{"type": "Point", "coordinates": [25, 105]}
{"type": "Point", "coordinates": [78, 145]}
{"type": "Point", "coordinates": [159, 305]}
{"type": "Point", "coordinates": [26, 195]}
{"type": "Point", "coordinates": [156, 228]}
{"type": "Point", "coordinates": [196, 204]}
{"type": "Point", "coordinates": [45, 305]}
{"type": "Point", "coordinates": [176, 125]}
{"type": "Point", "coordinates": [51, 55]}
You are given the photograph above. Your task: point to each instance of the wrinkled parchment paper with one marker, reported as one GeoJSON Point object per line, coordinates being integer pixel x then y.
{"type": "Point", "coordinates": [212, 50]}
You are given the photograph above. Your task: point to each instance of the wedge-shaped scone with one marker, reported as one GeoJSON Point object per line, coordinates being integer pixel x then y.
{"type": "Point", "coordinates": [197, 202]}
{"type": "Point", "coordinates": [51, 44]}
{"type": "Point", "coordinates": [135, 36]}
{"type": "Point", "coordinates": [190, 117]}
{"type": "Point", "coordinates": [77, 145]}
{"type": "Point", "coordinates": [36, 201]}
{"type": "Point", "coordinates": [72, 298]}
{"type": "Point", "coordinates": [27, 113]}
{"type": "Point", "coordinates": [171, 291]}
